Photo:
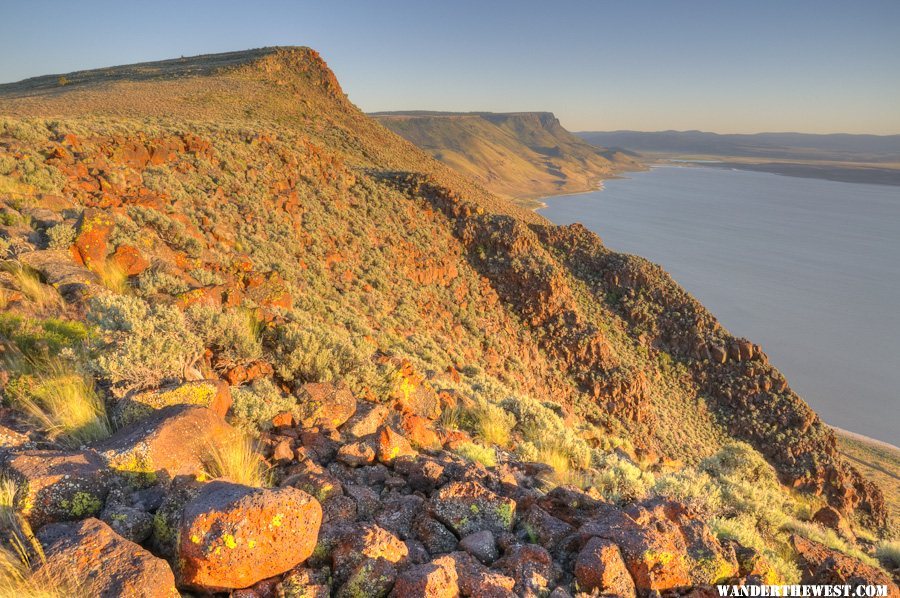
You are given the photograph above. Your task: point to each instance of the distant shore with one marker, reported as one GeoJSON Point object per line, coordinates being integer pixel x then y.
{"type": "Point", "coordinates": [864, 438]}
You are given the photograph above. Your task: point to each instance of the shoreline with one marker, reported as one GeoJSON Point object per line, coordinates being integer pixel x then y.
{"type": "Point", "coordinates": [864, 438]}
{"type": "Point", "coordinates": [543, 204]}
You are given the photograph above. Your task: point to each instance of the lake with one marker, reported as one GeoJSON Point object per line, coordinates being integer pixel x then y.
{"type": "Point", "coordinates": [807, 268]}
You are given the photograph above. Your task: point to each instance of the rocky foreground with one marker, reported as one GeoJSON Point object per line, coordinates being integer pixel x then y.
{"type": "Point", "coordinates": [355, 510]}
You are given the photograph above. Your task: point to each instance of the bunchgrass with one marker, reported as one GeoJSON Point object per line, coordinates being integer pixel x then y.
{"type": "Point", "coordinates": [478, 453]}
{"type": "Point", "coordinates": [64, 403]}
{"type": "Point", "coordinates": [237, 460]}
{"type": "Point", "coordinates": [30, 285]}
{"type": "Point", "coordinates": [888, 553]}
{"type": "Point", "coordinates": [112, 276]}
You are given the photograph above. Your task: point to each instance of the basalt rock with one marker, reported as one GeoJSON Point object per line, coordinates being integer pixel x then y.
{"type": "Point", "coordinates": [103, 563]}
{"type": "Point", "coordinates": [232, 536]}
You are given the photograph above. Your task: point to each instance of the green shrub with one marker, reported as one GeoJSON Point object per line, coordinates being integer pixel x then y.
{"type": "Point", "coordinates": [141, 346]}
{"type": "Point", "coordinates": [234, 333]}
{"type": "Point", "coordinates": [490, 423]}
{"type": "Point", "coordinates": [888, 553]}
{"type": "Point", "coordinates": [62, 401]}
{"type": "Point", "coordinates": [620, 480]}
{"type": "Point", "coordinates": [478, 453]}
{"type": "Point", "coordinates": [545, 429]}
{"type": "Point", "coordinates": [61, 236]}
{"type": "Point", "coordinates": [256, 404]}
{"type": "Point", "coordinates": [310, 355]}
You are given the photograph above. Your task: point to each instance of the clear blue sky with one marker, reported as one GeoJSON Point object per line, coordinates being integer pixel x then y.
{"type": "Point", "coordinates": [726, 66]}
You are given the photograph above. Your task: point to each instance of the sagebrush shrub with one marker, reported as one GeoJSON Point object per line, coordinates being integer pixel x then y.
{"type": "Point", "coordinates": [256, 404]}
{"type": "Point", "coordinates": [61, 236]}
{"type": "Point", "coordinates": [141, 346]}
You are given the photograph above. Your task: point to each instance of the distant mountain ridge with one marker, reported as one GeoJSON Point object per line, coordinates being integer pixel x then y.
{"type": "Point", "coordinates": [514, 154]}
{"type": "Point", "coordinates": [796, 146]}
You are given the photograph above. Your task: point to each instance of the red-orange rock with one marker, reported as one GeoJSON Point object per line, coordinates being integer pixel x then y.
{"type": "Point", "coordinates": [323, 404]}
{"type": "Point", "coordinates": [419, 431]}
{"type": "Point", "coordinates": [108, 565]}
{"type": "Point", "coordinates": [391, 445]}
{"type": "Point", "coordinates": [129, 260]}
{"type": "Point", "coordinates": [92, 237]}
{"type": "Point", "coordinates": [172, 441]}
{"type": "Point", "coordinates": [58, 486]}
{"type": "Point", "coordinates": [232, 536]}
{"type": "Point", "coordinates": [437, 579]}
{"type": "Point", "coordinates": [820, 565]}
{"type": "Point", "coordinates": [600, 567]}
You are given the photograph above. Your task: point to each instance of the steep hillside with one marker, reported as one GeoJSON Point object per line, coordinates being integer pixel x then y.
{"type": "Point", "coordinates": [222, 243]}
{"type": "Point", "coordinates": [519, 155]}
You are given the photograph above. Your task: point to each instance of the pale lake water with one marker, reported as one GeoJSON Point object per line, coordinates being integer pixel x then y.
{"type": "Point", "coordinates": [807, 268]}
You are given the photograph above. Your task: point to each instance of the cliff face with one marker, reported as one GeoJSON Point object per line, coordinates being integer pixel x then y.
{"type": "Point", "coordinates": [519, 155]}
{"type": "Point", "coordinates": [239, 220]}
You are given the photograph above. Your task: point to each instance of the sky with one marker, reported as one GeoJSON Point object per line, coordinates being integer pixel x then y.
{"type": "Point", "coordinates": [817, 66]}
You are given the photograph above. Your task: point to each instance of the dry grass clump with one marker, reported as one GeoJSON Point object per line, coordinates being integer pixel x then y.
{"type": "Point", "coordinates": [29, 283]}
{"type": "Point", "coordinates": [478, 453]}
{"type": "Point", "coordinates": [888, 553]}
{"type": "Point", "coordinates": [112, 276]}
{"type": "Point", "coordinates": [63, 402]}
{"type": "Point", "coordinates": [20, 578]}
{"type": "Point", "coordinates": [238, 461]}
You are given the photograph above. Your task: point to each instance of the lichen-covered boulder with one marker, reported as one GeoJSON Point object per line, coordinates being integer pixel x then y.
{"type": "Point", "coordinates": [212, 394]}
{"type": "Point", "coordinates": [173, 441]}
{"type": "Point", "coordinates": [390, 445]}
{"type": "Point", "coordinates": [820, 565]}
{"type": "Point", "coordinates": [58, 486]}
{"type": "Point", "coordinates": [600, 567]}
{"type": "Point", "coordinates": [107, 565]}
{"type": "Point", "coordinates": [365, 559]}
{"type": "Point", "coordinates": [468, 507]}
{"type": "Point", "coordinates": [232, 536]}
{"type": "Point", "coordinates": [436, 579]}
{"type": "Point", "coordinates": [325, 405]}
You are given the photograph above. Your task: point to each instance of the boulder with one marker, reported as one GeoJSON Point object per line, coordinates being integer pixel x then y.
{"type": "Point", "coordinates": [356, 454]}
{"type": "Point", "coordinates": [663, 545]}
{"type": "Point", "coordinates": [173, 441]}
{"type": "Point", "coordinates": [600, 567]}
{"type": "Point", "coordinates": [59, 271]}
{"type": "Point", "coordinates": [212, 394]}
{"type": "Point", "coordinates": [543, 528]}
{"type": "Point", "coordinates": [482, 545]}
{"type": "Point", "coordinates": [130, 523]}
{"type": "Point", "coordinates": [419, 431]}
{"type": "Point", "coordinates": [323, 404]}
{"type": "Point", "coordinates": [820, 565]}
{"type": "Point", "coordinates": [129, 260]}
{"type": "Point", "coordinates": [468, 507]}
{"type": "Point", "coordinates": [232, 536]}
{"type": "Point", "coordinates": [366, 421]}
{"type": "Point", "coordinates": [109, 565]}
{"type": "Point", "coordinates": [365, 559]}
{"type": "Point", "coordinates": [94, 228]}
{"type": "Point", "coordinates": [390, 445]}
{"type": "Point", "coordinates": [58, 486]}
{"type": "Point", "coordinates": [436, 579]}
{"type": "Point", "coordinates": [434, 535]}
{"type": "Point", "coordinates": [477, 581]}
{"type": "Point", "coordinates": [831, 518]}
{"type": "Point", "coordinates": [531, 567]}
{"type": "Point", "coordinates": [303, 582]}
